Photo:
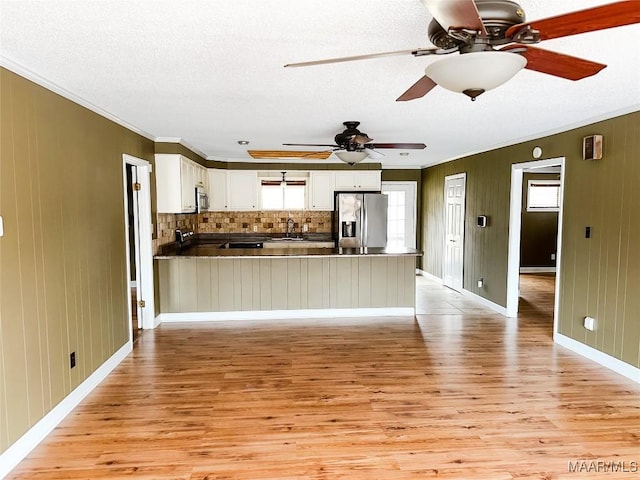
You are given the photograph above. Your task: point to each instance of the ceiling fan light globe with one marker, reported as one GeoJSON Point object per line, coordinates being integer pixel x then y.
{"type": "Point", "coordinates": [476, 70]}
{"type": "Point", "coordinates": [351, 157]}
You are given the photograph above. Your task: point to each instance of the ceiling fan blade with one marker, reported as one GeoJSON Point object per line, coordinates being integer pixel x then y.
{"type": "Point", "coordinates": [418, 89]}
{"type": "Point", "coordinates": [404, 146]}
{"type": "Point", "coordinates": [557, 64]}
{"type": "Point", "coordinates": [262, 154]}
{"type": "Point", "coordinates": [309, 145]}
{"type": "Point", "coordinates": [598, 18]}
{"type": "Point", "coordinates": [456, 14]}
{"type": "Point", "coordinates": [421, 51]}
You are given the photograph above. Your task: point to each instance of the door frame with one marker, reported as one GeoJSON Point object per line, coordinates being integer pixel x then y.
{"type": "Point", "coordinates": [456, 176]}
{"type": "Point", "coordinates": [515, 226]}
{"type": "Point", "coordinates": [410, 187]}
{"type": "Point", "coordinates": [143, 241]}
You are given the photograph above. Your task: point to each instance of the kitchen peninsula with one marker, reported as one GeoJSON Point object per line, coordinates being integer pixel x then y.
{"type": "Point", "coordinates": [207, 282]}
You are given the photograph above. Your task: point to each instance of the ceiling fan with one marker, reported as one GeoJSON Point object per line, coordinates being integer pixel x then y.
{"type": "Point", "coordinates": [495, 42]}
{"type": "Point", "coordinates": [352, 146]}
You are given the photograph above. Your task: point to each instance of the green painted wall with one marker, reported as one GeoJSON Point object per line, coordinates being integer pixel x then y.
{"type": "Point", "coordinates": [600, 277]}
{"type": "Point", "coordinates": [63, 284]}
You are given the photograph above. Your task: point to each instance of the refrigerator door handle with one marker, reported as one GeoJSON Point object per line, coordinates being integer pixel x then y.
{"type": "Point", "coordinates": [363, 226]}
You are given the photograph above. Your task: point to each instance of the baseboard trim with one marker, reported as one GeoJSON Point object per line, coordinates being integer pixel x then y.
{"type": "Point", "coordinates": [11, 457]}
{"type": "Point", "coordinates": [429, 276]}
{"type": "Point", "coordinates": [604, 359]}
{"type": "Point", "coordinates": [285, 314]}
{"type": "Point", "coordinates": [537, 269]}
{"type": "Point", "coordinates": [486, 303]}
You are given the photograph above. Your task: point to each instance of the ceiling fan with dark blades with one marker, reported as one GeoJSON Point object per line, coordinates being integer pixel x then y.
{"type": "Point", "coordinates": [353, 146]}
{"type": "Point", "coordinates": [494, 42]}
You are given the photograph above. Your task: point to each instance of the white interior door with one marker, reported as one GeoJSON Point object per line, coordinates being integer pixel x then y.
{"type": "Point", "coordinates": [454, 198]}
{"type": "Point", "coordinates": [143, 247]}
{"type": "Point", "coordinates": [401, 213]}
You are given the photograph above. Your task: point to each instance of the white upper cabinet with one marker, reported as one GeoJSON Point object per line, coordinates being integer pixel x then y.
{"type": "Point", "coordinates": [242, 189]}
{"type": "Point", "coordinates": [176, 178]}
{"type": "Point", "coordinates": [202, 177]}
{"type": "Point", "coordinates": [358, 180]}
{"type": "Point", "coordinates": [321, 190]}
{"type": "Point", "coordinates": [218, 190]}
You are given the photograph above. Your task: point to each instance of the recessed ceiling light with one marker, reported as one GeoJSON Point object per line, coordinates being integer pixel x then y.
{"type": "Point", "coordinates": [243, 142]}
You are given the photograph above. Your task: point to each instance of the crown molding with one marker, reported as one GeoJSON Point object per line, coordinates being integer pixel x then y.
{"type": "Point", "coordinates": [30, 75]}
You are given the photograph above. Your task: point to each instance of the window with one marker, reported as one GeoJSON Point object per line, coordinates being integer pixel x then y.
{"type": "Point", "coordinates": [543, 196]}
{"type": "Point", "coordinates": [283, 197]}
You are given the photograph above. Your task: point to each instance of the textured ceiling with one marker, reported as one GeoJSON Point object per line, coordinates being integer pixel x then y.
{"type": "Point", "coordinates": [211, 72]}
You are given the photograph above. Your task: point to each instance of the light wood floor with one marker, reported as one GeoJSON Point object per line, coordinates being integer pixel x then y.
{"type": "Point", "coordinates": [459, 392]}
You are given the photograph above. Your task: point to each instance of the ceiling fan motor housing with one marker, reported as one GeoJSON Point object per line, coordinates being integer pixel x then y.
{"type": "Point", "coordinates": [497, 16]}
{"type": "Point", "coordinates": [346, 140]}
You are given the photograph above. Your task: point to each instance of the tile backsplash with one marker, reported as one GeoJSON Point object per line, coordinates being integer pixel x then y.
{"type": "Point", "coordinates": [167, 223]}
{"type": "Point", "coordinates": [239, 222]}
{"type": "Point", "coordinates": [263, 222]}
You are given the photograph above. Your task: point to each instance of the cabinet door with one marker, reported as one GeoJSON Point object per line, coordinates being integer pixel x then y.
{"type": "Point", "coordinates": [202, 179]}
{"type": "Point", "coordinates": [363, 180]}
{"type": "Point", "coordinates": [321, 190]}
{"type": "Point", "coordinates": [168, 188]}
{"type": "Point", "coordinates": [217, 190]}
{"type": "Point", "coordinates": [188, 184]}
{"type": "Point", "coordinates": [242, 188]}
{"type": "Point", "coordinates": [369, 180]}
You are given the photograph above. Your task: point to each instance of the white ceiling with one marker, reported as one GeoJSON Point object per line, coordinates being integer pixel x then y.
{"type": "Point", "coordinates": [211, 72]}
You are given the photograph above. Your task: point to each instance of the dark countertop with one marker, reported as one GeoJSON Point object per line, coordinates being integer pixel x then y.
{"type": "Point", "coordinates": [214, 250]}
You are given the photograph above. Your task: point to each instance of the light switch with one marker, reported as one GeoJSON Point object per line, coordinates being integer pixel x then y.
{"type": "Point", "coordinates": [1, 227]}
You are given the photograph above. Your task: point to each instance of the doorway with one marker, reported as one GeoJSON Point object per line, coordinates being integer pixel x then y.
{"type": "Point", "coordinates": [401, 213]}
{"type": "Point", "coordinates": [515, 227]}
{"type": "Point", "coordinates": [139, 251]}
{"type": "Point", "coordinates": [454, 201]}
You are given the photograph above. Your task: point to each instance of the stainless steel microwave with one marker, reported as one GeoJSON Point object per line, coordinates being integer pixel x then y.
{"type": "Point", "coordinates": [202, 199]}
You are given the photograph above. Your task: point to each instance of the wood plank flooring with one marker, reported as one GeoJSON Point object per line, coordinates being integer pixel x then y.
{"type": "Point", "coordinates": [458, 392]}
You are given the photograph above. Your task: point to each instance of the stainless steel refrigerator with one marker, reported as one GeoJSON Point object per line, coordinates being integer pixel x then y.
{"type": "Point", "coordinates": [360, 219]}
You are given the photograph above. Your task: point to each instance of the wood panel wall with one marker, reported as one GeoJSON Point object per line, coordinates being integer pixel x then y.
{"type": "Point", "coordinates": [600, 277]}
{"type": "Point", "coordinates": [63, 285]}
{"type": "Point", "coordinates": [225, 284]}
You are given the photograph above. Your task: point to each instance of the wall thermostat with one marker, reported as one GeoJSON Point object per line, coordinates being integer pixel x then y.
{"type": "Point", "coordinates": [481, 221]}
{"type": "Point", "coordinates": [592, 147]}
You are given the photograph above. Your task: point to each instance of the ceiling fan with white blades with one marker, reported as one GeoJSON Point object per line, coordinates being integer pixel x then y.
{"type": "Point", "coordinates": [352, 146]}
{"type": "Point", "coordinates": [494, 42]}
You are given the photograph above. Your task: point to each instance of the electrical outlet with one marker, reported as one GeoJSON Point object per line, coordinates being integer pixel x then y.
{"type": "Point", "coordinates": [72, 359]}
{"type": "Point", "coordinates": [255, 228]}
{"type": "Point", "coordinates": [590, 323]}
{"type": "Point", "coordinates": [481, 283]}
{"type": "Point", "coordinates": [305, 228]}
{"type": "Point", "coordinates": [553, 256]}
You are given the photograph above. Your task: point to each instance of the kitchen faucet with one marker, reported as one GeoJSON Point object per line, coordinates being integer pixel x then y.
{"type": "Point", "coordinates": [291, 227]}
